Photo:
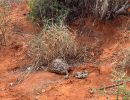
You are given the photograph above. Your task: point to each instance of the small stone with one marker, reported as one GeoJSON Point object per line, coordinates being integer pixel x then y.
{"type": "Point", "coordinates": [11, 84]}
{"type": "Point", "coordinates": [37, 98]}
{"type": "Point", "coordinates": [29, 68]}
{"type": "Point", "coordinates": [43, 90]}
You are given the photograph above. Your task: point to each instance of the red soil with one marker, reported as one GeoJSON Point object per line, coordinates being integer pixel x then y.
{"type": "Point", "coordinates": [42, 85]}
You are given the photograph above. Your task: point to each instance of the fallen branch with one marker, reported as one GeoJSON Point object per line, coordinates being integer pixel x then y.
{"type": "Point", "coordinates": [107, 87]}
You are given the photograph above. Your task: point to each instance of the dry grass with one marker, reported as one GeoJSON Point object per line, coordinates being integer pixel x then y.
{"type": "Point", "coordinates": [56, 41]}
{"type": "Point", "coordinates": [4, 11]}
{"type": "Point", "coordinates": [53, 42]}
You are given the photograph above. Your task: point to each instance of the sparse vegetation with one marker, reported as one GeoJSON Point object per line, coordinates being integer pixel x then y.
{"type": "Point", "coordinates": [42, 10]}
{"type": "Point", "coordinates": [69, 10]}
{"type": "Point", "coordinates": [122, 79]}
{"type": "Point", "coordinates": [84, 49]}
{"type": "Point", "coordinates": [56, 41]}
{"type": "Point", "coordinates": [3, 22]}
{"type": "Point", "coordinates": [53, 42]}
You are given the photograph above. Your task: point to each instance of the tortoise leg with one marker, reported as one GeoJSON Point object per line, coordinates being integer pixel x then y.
{"type": "Point", "coordinates": [67, 75]}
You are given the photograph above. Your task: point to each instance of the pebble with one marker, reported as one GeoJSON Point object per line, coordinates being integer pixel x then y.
{"type": "Point", "coordinates": [11, 84]}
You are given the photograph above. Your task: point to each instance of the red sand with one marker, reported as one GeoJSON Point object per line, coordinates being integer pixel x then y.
{"type": "Point", "coordinates": [48, 86]}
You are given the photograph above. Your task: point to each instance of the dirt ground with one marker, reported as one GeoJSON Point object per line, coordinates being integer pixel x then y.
{"type": "Point", "coordinates": [42, 85]}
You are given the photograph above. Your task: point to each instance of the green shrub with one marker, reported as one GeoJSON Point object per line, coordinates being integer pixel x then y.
{"type": "Point", "coordinates": [73, 9]}
{"type": "Point", "coordinates": [51, 10]}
